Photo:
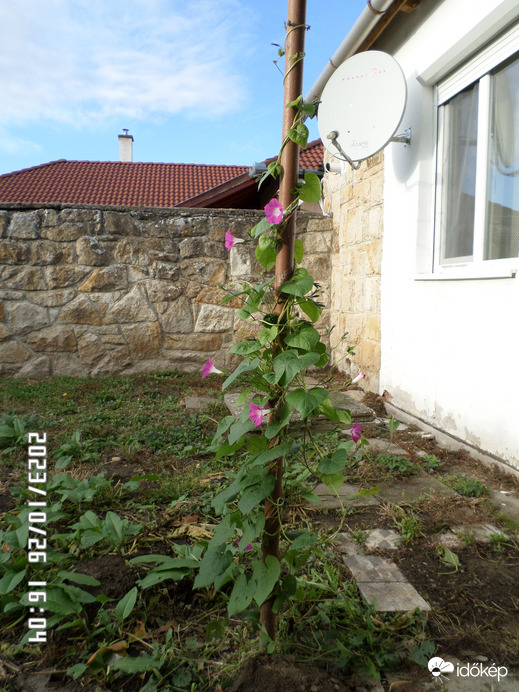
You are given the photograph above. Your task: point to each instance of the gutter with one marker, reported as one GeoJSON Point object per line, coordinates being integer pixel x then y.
{"type": "Point", "coordinates": [358, 36]}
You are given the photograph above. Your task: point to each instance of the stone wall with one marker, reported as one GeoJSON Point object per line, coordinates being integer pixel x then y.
{"type": "Point", "coordinates": [355, 198]}
{"type": "Point", "coordinates": [87, 291]}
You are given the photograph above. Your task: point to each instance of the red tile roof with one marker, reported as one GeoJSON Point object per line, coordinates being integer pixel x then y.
{"type": "Point", "coordinates": [113, 183]}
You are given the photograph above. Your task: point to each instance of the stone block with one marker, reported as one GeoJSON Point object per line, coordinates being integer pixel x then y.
{"type": "Point", "coordinates": [67, 364]}
{"type": "Point", "coordinates": [5, 333]}
{"type": "Point", "coordinates": [79, 311]}
{"type": "Point", "coordinates": [4, 223]}
{"type": "Point", "coordinates": [64, 275]}
{"type": "Point", "coordinates": [372, 569]}
{"type": "Point", "coordinates": [161, 291]}
{"type": "Point", "coordinates": [13, 352]}
{"type": "Point", "coordinates": [213, 318]}
{"type": "Point", "coordinates": [23, 278]}
{"type": "Point", "coordinates": [92, 252]}
{"type": "Point", "coordinates": [36, 368]}
{"type": "Point", "coordinates": [53, 339]}
{"type": "Point", "coordinates": [133, 307]}
{"type": "Point", "coordinates": [122, 224]}
{"type": "Point", "coordinates": [178, 317]}
{"type": "Point", "coordinates": [90, 349]}
{"type": "Point", "coordinates": [132, 251]}
{"type": "Point", "coordinates": [106, 279]}
{"type": "Point", "coordinates": [383, 539]}
{"type": "Point", "coordinates": [25, 317]}
{"type": "Point", "coordinates": [317, 242]}
{"type": "Point", "coordinates": [45, 252]}
{"type": "Point", "coordinates": [143, 339]}
{"type": "Point", "coordinates": [193, 342]}
{"type": "Point", "coordinates": [241, 261]}
{"type": "Point", "coordinates": [164, 270]}
{"type": "Point", "coordinates": [192, 247]}
{"type": "Point", "coordinates": [14, 252]}
{"type": "Point", "coordinates": [24, 225]}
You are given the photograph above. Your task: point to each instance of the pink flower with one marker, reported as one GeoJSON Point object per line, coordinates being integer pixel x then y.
{"type": "Point", "coordinates": [256, 414]}
{"type": "Point", "coordinates": [209, 368]}
{"type": "Point", "coordinates": [359, 377]}
{"type": "Point", "coordinates": [274, 211]}
{"type": "Point", "coordinates": [230, 240]}
{"type": "Point", "coordinates": [238, 541]}
{"type": "Point", "coordinates": [356, 432]}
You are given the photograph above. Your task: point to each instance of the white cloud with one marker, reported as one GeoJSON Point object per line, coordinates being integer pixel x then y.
{"type": "Point", "coordinates": [73, 61]}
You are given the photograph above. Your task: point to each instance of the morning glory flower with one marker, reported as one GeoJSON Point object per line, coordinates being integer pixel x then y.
{"type": "Point", "coordinates": [256, 414]}
{"type": "Point", "coordinates": [230, 240]}
{"type": "Point", "coordinates": [359, 377]}
{"type": "Point", "coordinates": [274, 211]}
{"type": "Point", "coordinates": [209, 368]}
{"type": "Point", "coordinates": [356, 432]}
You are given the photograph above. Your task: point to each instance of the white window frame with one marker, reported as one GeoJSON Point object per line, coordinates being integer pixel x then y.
{"type": "Point", "coordinates": [476, 69]}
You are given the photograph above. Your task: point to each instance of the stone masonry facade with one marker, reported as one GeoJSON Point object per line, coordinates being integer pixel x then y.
{"type": "Point", "coordinates": [92, 291]}
{"type": "Point", "coordinates": [355, 199]}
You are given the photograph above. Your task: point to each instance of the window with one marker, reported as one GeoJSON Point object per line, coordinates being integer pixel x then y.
{"type": "Point", "coordinates": [477, 202]}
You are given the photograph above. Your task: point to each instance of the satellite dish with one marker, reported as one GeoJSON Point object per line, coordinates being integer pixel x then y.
{"type": "Point", "coordinates": [362, 105]}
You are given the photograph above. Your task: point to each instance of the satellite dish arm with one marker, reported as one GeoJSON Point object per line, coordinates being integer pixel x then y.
{"type": "Point", "coordinates": [333, 135]}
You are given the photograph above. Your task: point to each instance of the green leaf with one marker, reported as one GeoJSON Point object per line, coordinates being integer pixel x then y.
{"type": "Point", "coordinates": [260, 228]}
{"type": "Point", "coordinates": [10, 581]}
{"type": "Point", "coordinates": [268, 335]}
{"type": "Point", "coordinates": [114, 528]}
{"type": "Point", "coordinates": [283, 420]}
{"type": "Point", "coordinates": [212, 566]}
{"type": "Point", "coordinates": [140, 664]}
{"type": "Point", "coordinates": [310, 308]}
{"type": "Point", "coordinates": [306, 401]}
{"type": "Point", "coordinates": [299, 135]}
{"type": "Point", "coordinates": [299, 250]}
{"type": "Point", "coordinates": [299, 284]}
{"type": "Point", "coordinates": [266, 575]}
{"type": "Point", "coordinates": [272, 453]}
{"type": "Point", "coordinates": [305, 338]}
{"type": "Point", "coordinates": [266, 252]}
{"type": "Point", "coordinates": [448, 557]}
{"type": "Point", "coordinates": [310, 190]}
{"type": "Point", "coordinates": [239, 429]}
{"type": "Point", "coordinates": [334, 465]}
{"type": "Point", "coordinates": [126, 605]}
{"type": "Point", "coordinates": [255, 494]}
{"type": "Point", "coordinates": [241, 595]}
{"type": "Point", "coordinates": [245, 348]}
{"type": "Point", "coordinates": [304, 540]}
{"type": "Point", "coordinates": [288, 589]}
{"type": "Point", "coordinates": [242, 367]}
{"type": "Point", "coordinates": [288, 363]}
{"type": "Point", "coordinates": [79, 578]}
{"type": "Point", "coordinates": [333, 480]}
{"type": "Point", "coordinates": [338, 415]}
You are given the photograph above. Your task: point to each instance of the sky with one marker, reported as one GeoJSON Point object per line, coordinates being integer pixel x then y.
{"type": "Point", "coordinates": [193, 82]}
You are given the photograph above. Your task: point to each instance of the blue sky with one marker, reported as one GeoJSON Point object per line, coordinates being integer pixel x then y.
{"type": "Point", "coordinates": [194, 82]}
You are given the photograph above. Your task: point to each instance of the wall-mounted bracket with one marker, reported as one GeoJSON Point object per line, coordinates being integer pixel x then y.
{"type": "Point", "coordinates": [404, 138]}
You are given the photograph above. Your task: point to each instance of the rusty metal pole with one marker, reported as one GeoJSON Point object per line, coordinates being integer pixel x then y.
{"type": "Point", "coordinates": [294, 51]}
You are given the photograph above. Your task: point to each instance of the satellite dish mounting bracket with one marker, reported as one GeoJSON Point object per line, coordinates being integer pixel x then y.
{"type": "Point", "coordinates": [404, 138]}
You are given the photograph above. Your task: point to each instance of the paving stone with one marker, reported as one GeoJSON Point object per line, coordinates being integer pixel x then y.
{"type": "Point", "coordinates": [347, 494]}
{"type": "Point", "coordinates": [450, 540]}
{"type": "Point", "coordinates": [197, 403]}
{"type": "Point", "coordinates": [412, 488]}
{"type": "Point", "coordinates": [383, 539]}
{"type": "Point", "coordinates": [480, 533]}
{"type": "Point", "coordinates": [393, 596]}
{"type": "Point", "coordinates": [346, 546]}
{"type": "Point", "coordinates": [372, 568]}
{"type": "Point", "coordinates": [509, 503]}
{"type": "Point", "coordinates": [378, 445]}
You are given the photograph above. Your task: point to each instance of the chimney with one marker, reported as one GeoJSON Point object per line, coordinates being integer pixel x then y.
{"type": "Point", "coordinates": [125, 147]}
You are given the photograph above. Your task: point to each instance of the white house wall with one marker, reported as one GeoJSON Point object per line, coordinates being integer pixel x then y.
{"type": "Point", "coordinates": [449, 348]}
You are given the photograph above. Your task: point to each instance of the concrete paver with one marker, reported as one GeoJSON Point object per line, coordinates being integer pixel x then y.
{"type": "Point", "coordinates": [412, 488]}
{"type": "Point", "coordinates": [383, 539]}
{"type": "Point", "coordinates": [348, 493]}
{"type": "Point", "coordinates": [481, 533]}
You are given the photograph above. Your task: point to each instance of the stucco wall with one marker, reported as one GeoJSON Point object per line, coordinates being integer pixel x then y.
{"type": "Point", "coordinates": [88, 291]}
{"type": "Point", "coordinates": [355, 198]}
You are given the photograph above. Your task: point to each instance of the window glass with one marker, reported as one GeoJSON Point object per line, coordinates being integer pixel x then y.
{"type": "Point", "coordinates": [502, 229]}
{"type": "Point", "coordinates": [460, 125]}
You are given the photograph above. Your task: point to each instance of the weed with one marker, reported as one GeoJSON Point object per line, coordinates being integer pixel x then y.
{"type": "Point", "coordinates": [396, 464]}
{"type": "Point", "coordinates": [359, 537]}
{"type": "Point", "coordinates": [467, 486]}
{"type": "Point", "coordinates": [409, 526]}
{"type": "Point", "coordinates": [432, 462]}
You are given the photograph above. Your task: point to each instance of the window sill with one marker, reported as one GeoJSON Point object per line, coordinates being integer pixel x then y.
{"type": "Point", "coordinates": [468, 274]}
